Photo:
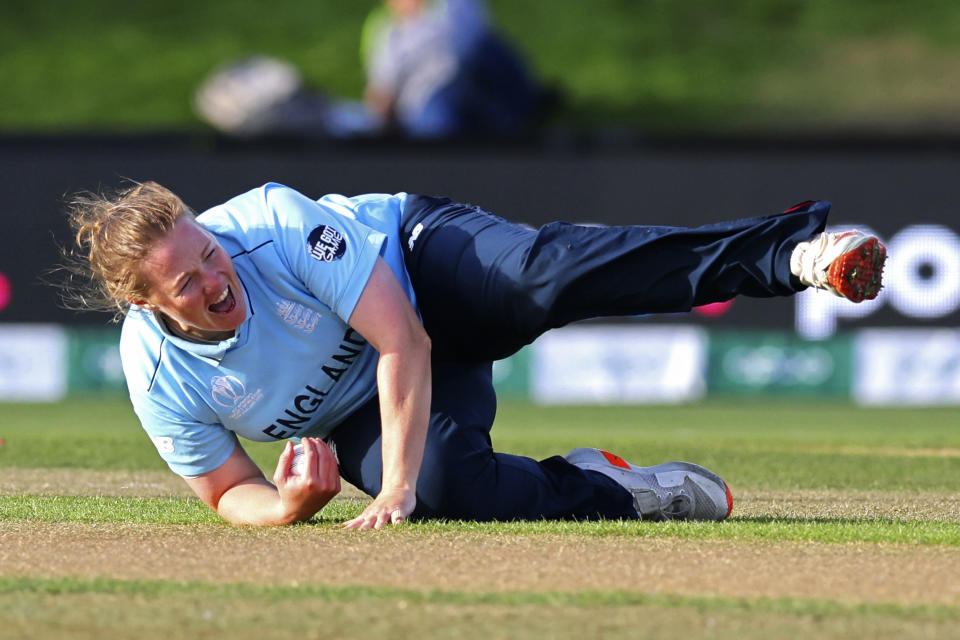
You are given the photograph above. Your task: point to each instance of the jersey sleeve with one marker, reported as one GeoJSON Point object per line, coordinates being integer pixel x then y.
{"type": "Point", "coordinates": [325, 246]}
{"type": "Point", "coordinates": [189, 448]}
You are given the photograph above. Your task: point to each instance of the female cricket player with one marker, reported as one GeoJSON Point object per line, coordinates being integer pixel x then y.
{"type": "Point", "coordinates": [365, 327]}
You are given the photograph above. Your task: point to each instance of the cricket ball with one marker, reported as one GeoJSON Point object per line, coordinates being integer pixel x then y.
{"type": "Point", "coordinates": [297, 462]}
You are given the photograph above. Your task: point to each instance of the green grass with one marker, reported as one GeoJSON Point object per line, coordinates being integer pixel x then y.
{"type": "Point", "coordinates": [97, 608]}
{"type": "Point", "coordinates": [40, 608]}
{"type": "Point", "coordinates": [263, 593]}
{"type": "Point", "coordinates": [697, 65]}
{"type": "Point", "coordinates": [189, 511]}
{"type": "Point", "coordinates": [756, 445]}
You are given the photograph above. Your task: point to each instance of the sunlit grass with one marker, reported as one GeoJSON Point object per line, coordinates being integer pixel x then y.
{"type": "Point", "coordinates": [697, 65]}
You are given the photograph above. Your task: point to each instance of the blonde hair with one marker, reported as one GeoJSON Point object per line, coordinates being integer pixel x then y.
{"type": "Point", "coordinates": [113, 234]}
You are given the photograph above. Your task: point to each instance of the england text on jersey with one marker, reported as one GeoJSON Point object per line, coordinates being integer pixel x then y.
{"type": "Point", "coordinates": [300, 411]}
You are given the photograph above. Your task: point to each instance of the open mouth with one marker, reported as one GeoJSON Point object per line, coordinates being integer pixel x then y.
{"type": "Point", "coordinates": [226, 302]}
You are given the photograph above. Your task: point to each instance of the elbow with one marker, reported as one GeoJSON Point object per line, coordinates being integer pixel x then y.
{"type": "Point", "coordinates": [424, 344]}
{"type": "Point", "coordinates": [414, 348]}
{"type": "Point", "coordinates": [420, 346]}
{"type": "Point", "coordinates": [413, 340]}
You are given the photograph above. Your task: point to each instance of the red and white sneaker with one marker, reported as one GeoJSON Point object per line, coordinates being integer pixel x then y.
{"type": "Point", "coordinates": [669, 491]}
{"type": "Point", "coordinates": [847, 264]}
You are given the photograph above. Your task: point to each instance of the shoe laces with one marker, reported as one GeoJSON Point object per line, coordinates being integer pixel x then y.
{"type": "Point", "coordinates": [676, 507]}
{"type": "Point", "coordinates": [807, 263]}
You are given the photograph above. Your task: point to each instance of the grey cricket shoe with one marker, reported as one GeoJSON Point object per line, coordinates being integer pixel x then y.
{"type": "Point", "coordinates": [669, 491]}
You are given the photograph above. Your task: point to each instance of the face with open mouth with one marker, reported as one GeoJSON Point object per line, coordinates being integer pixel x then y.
{"type": "Point", "coordinates": [192, 281]}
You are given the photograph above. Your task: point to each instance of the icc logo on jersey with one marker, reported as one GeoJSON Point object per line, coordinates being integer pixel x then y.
{"type": "Point", "coordinates": [326, 243]}
{"type": "Point", "coordinates": [227, 390]}
{"type": "Point", "coordinates": [230, 392]}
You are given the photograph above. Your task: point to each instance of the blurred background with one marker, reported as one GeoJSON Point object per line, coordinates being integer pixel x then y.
{"type": "Point", "coordinates": [608, 112]}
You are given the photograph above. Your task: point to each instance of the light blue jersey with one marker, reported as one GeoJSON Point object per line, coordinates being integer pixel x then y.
{"type": "Point", "coordinates": [294, 367]}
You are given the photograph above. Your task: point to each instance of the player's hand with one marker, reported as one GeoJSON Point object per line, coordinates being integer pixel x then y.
{"type": "Point", "coordinates": [306, 493]}
{"type": "Point", "coordinates": [392, 506]}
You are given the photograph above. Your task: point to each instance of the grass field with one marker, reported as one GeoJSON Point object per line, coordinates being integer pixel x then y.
{"type": "Point", "coordinates": [846, 523]}
{"type": "Point", "coordinates": [696, 66]}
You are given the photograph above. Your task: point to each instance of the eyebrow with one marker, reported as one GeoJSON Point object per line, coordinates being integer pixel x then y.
{"type": "Point", "coordinates": [178, 282]}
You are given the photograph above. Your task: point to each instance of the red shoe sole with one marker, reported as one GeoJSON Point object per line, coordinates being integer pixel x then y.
{"type": "Point", "coordinates": [858, 274]}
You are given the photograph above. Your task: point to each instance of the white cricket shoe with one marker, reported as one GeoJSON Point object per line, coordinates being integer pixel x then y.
{"type": "Point", "coordinates": [848, 264]}
{"type": "Point", "coordinates": [669, 491]}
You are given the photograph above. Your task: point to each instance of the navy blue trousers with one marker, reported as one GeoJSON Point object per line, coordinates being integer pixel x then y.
{"type": "Point", "coordinates": [487, 287]}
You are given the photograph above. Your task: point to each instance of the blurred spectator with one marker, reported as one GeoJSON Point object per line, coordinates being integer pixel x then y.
{"type": "Point", "coordinates": [435, 69]}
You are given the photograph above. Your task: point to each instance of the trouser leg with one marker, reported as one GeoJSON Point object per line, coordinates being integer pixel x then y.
{"type": "Point", "coordinates": [487, 287]}
{"type": "Point", "coordinates": [461, 476]}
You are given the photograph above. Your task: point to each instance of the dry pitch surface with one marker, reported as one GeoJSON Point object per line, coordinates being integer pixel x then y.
{"type": "Point", "coordinates": [857, 572]}
{"type": "Point", "coordinates": [851, 574]}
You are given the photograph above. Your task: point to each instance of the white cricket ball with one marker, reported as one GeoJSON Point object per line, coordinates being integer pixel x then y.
{"type": "Point", "coordinates": [297, 462]}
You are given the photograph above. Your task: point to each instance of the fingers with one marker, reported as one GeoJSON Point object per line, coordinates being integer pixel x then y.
{"type": "Point", "coordinates": [318, 469]}
{"type": "Point", "coordinates": [371, 521]}
{"type": "Point", "coordinates": [328, 464]}
{"type": "Point", "coordinates": [365, 520]}
{"type": "Point", "coordinates": [378, 514]}
{"type": "Point", "coordinates": [362, 521]}
{"type": "Point", "coordinates": [310, 457]}
{"type": "Point", "coordinates": [282, 472]}
{"type": "Point", "coordinates": [323, 464]}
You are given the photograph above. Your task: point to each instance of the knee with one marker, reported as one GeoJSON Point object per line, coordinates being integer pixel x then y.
{"type": "Point", "coordinates": [449, 487]}
{"type": "Point", "coordinates": [548, 265]}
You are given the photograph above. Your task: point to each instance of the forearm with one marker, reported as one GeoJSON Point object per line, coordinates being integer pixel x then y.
{"type": "Point", "coordinates": [240, 494]}
{"type": "Point", "coordinates": [404, 382]}
{"type": "Point", "coordinates": [384, 317]}
{"type": "Point", "coordinates": [258, 503]}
